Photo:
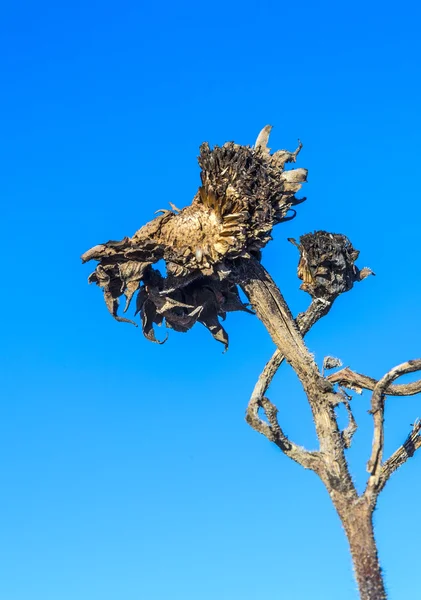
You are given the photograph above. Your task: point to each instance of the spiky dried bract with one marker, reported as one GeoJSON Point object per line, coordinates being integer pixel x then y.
{"type": "Point", "coordinates": [327, 264]}
{"type": "Point", "coordinates": [245, 191]}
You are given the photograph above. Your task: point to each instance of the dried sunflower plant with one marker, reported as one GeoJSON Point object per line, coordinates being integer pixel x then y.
{"type": "Point", "coordinates": [212, 248]}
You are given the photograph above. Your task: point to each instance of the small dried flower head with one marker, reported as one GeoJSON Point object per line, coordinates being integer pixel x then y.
{"type": "Point", "coordinates": [327, 264]}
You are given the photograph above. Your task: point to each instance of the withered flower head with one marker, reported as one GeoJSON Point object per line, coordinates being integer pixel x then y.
{"type": "Point", "coordinates": [327, 264]}
{"type": "Point", "coordinates": [245, 191]}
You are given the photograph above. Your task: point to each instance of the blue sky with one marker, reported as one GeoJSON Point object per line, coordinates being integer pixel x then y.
{"type": "Point", "coordinates": [127, 470]}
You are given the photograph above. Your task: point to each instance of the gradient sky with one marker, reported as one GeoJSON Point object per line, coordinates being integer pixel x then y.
{"type": "Point", "coordinates": [127, 470]}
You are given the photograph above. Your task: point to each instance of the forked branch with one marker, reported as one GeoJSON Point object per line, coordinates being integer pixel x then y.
{"type": "Point", "coordinates": [318, 308]}
{"type": "Point", "coordinates": [374, 466]}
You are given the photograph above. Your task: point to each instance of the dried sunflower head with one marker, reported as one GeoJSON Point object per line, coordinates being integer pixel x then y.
{"type": "Point", "coordinates": [327, 264]}
{"type": "Point", "coordinates": [245, 191]}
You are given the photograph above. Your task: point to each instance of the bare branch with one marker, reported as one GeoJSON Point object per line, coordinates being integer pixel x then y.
{"type": "Point", "coordinates": [318, 308]}
{"type": "Point", "coordinates": [374, 466]}
{"type": "Point", "coordinates": [274, 433]}
{"type": "Point", "coordinates": [377, 410]}
{"type": "Point", "coordinates": [358, 381]}
{"type": "Point", "coordinates": [305, 321]}
{"type": "Point", "coordinates": [401, 455]}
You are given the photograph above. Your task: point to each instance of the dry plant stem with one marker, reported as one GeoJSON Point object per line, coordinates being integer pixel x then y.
{"type": "Point", "coordinates": [375, 467]}
{"type": "Point", "coordinates": [273, 431]}
{"type": "Point", "coordinates": [351, 379]}
{"type": "Point", "coordinates": [380, 473]}
{"type": "Point", "coordinates": [273, 311]}
{"type": "Point", "coordinates": [329, 462]}
{"type": "Point", "coordinates": [357, 521]}
{"type": "Point", "coordinates": [377, 409]}
{"type": "Point", "coordinates": [400, 456]}
{"type": "Point", "coordinates": [305, 321]}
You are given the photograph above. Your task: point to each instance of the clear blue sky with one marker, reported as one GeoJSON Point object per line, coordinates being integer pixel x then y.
{"type": "Point", "coordinates": [127, 470]}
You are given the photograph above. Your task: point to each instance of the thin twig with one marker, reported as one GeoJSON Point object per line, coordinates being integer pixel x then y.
{"type": "Point", "coordinates": [351, 428]}
{"type": "Point", "coordinates": [357, 381]}
{"type": "Point", "coordinates": [374, 466]}
{"type": "Point", "coordinates": [401, 455]}
{"type": "Point", "coordinates": [274, 433]}
{"type": "Point", "coordinates": [377, 408]}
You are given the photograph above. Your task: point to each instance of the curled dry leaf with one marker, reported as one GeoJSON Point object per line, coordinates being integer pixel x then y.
{"type": "Point", "coordinates": [245, 191]}
{"type": "Point", "coordinates": [330, 362]}
{"type": "Point", "coordinates": [205, 300]}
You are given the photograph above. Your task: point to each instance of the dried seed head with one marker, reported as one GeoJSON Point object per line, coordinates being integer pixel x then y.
{"type": "Point", "coordinates": [327, 264]}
